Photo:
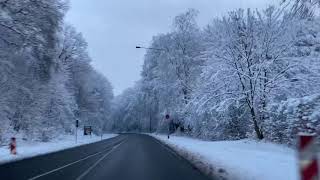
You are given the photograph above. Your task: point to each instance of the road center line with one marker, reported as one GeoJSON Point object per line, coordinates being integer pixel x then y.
{"type": "Point", "coordinates": [67, 165]}
{"type": "Point", "coordinates": [95, 164]}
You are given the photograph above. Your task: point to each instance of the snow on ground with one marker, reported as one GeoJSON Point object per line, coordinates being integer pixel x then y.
{"type": "Point", "coordinates": [31, 149]}
{"type": "Point", "coordinates": [243, 159]}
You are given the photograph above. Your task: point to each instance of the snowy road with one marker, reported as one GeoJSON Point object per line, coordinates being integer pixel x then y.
{"type": "Point", "coordinates": [125, 157]}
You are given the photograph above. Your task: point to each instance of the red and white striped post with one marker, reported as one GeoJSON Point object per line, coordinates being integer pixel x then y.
{"type": "Point", "coordinates": [308, 162]}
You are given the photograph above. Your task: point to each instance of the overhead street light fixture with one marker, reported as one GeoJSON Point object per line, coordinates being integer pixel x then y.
{"type": "Point", "coordinates": [156, 49]}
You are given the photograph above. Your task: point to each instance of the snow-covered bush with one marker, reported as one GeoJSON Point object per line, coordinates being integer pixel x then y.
{"type": "Point", "coordinates": [288, 118]}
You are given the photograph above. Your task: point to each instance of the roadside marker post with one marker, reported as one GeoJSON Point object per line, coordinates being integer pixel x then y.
{"type": "Point", "coordinates": [13, 146]}
{"type": "Point", "coordinates": [308, 158]}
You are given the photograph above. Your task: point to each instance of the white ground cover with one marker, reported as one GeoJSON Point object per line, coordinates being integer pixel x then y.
{"type": "Point", "coordinates": [238, 160]}
{"type": "Point", "coordinates": [30, 149]}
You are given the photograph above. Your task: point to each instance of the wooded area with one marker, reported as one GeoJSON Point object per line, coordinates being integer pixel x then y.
{"type": "Point", "coordinates": [47, 82]}
{"type": "Point", "coordinates": [252, 73]}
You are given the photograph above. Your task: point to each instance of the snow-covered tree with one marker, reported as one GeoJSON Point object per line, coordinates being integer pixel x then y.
{"type": "Point", "coordinates": [43, 65]}
{"type": "Point", "coordinates": [248, 50]}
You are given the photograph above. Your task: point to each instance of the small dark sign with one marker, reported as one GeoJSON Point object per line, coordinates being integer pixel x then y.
{"type": "Point", "coordinates": [77, 123]}
{"type": "Point", "coordinates": [87, 130]}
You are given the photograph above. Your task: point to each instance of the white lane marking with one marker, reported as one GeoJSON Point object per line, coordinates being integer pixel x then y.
{"type": "Point", "coordinates": [95, 164]}
{"type": "Point", "coordinates": [67, 165]}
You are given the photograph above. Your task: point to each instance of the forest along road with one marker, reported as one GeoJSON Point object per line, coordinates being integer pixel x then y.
{"type": "Point", "coordinates": [125, 157]}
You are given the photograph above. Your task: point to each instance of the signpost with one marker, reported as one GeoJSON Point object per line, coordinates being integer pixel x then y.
{"type": "Point", "coordinates": [77, 125]}
{"type": "Point", "coordinates": [168, 119]}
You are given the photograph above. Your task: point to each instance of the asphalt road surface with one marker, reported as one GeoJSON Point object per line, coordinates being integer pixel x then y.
{"type": "Point", "coordinates": [125, 157]}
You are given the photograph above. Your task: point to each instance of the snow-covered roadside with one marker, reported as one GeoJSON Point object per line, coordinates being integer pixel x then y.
{"type": "Point", "coordinates": [237, 160]}
{"type": "Point", "coordinates": [31, 149]}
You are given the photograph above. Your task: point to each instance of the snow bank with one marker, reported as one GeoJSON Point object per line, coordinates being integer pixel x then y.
{"type": "Point", "coordinates": [27, 149]}
{"type": "Point", "coordinates": [241, 160]}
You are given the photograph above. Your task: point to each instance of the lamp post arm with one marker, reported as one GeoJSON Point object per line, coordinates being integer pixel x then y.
{"type": "Point", "coordinates": [156, 49]}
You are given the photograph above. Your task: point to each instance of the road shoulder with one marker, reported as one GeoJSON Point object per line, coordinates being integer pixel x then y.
{"type": "Point", "coordinates": [28, 150]}
{"type": "Point", "coordinates": [193, 159]}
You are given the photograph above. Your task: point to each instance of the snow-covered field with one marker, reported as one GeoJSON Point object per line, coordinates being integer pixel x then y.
{"type": "Point", "coordinates": [243, 159]}
{"type": "Point", "coordinates": [31, 149]}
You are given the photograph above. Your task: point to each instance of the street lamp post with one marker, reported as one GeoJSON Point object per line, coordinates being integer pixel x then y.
{"type": "Point", "coordinates": [155, 49]}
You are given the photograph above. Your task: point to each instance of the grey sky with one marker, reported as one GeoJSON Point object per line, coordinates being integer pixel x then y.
{"type": "Point", "coordinates": [114, 28]}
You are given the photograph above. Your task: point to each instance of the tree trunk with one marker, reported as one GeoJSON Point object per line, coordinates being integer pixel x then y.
{"type": "Point", "coordinates": [257, 129]}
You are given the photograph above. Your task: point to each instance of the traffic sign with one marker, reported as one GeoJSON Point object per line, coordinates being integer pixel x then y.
{"type": "Point", "coordinates": [87, 130]}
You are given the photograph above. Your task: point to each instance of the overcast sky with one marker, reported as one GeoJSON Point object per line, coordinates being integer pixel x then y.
{"type": "Point", "coordinates": [114, 27]}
